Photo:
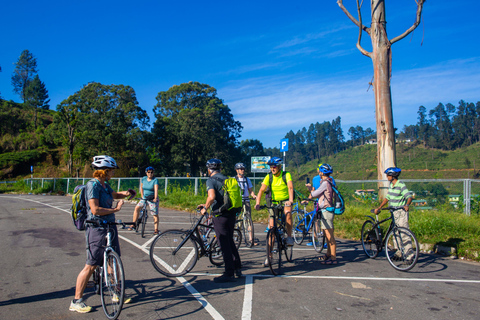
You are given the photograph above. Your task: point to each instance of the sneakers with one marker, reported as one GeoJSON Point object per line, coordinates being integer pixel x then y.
{"type": "Point", "coordinates": [290, 241]}
{"type": "Point", "coordinates": [79, 306]}
{"type": "Point", "coordinates": [266, 264]}
{"type": "Point", "coordinates": [238, 273]}
{"type": "Point", "coordinates": [224, 278]}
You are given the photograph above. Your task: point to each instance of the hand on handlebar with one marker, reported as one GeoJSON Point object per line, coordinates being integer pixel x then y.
{"type": "Point", "coordinates": [257, 207]}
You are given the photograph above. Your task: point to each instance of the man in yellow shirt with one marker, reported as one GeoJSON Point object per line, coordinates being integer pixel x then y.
{"type": "Point", "coordinates": [282, 193]}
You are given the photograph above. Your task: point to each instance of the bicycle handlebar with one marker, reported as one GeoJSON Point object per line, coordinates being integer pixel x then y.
{"type": "Point", "coordinates": [101, 223]}
{"type": "Point", "coordinates": [391, 209]}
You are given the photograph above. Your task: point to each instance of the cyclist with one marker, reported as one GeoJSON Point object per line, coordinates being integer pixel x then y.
{"type": "Point", "coordinates": [149, 191]}
{"type": "Point", "coordinates": [324, 193]}
{"type": "Point", "coordinates": [223, 222]}
{"type": "Point", "coordinates": [247, 188]}
{"type": "Point", "coordinates": [398, 196]}
{"type": "Point", "coordinates": [281, 192]}
{"type": "Point", "coordinates": [99, 203]}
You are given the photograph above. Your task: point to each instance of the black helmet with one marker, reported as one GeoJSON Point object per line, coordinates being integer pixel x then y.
{"type": "Point", "coordinates": [393, 171]}
{"type": "Point", "coordinates": [104, 162]}
{"type": "Point", "coordinates": [239, 166]}
{"type": "Point", "coordinates": [214, 164]}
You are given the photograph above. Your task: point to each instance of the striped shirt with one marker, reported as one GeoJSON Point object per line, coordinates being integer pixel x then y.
{"type": "Point", "coordinates": [397, 195]}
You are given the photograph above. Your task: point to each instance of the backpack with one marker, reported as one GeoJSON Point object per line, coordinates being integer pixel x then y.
{"type": "Point", "coordinates": [232, 196]}
{"type": "Point", "coordinates": [337, 201]}
{"type": "Point", "coordinates": [79, 207]}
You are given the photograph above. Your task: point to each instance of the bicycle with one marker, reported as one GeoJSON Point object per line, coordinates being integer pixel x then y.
{"type": "Point", "coordinates": [109, 278]}
{"type": "Point", "coordinates": [245, 224]}
{"type": "Point", "coordinates": [277, 240]}
{"type": "Point", "coordinates": [142, 217]}
{"type": "Point", "coordinates": [401, 245]}
{"type": "Point", "coordinates": [174, 253]}
{"type": "Point", "coordinates": [304, 221]}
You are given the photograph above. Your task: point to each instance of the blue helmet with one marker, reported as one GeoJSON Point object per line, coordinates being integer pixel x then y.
{"type": "Point", "coordinates": [325, 168]}
{"type": "Point", "coordinates": [240, 166]}
{"type": "Point", "coordinates": [275, 161]}
{"type": "Point", "coordinates": [214, 164]}
{"type": "Point", "coordinates": [149, 169]}
{"type": "Point", "coordinates": [393, 171]}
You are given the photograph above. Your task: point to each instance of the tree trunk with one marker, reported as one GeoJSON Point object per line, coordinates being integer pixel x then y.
{"type": "Point", "coordinates": [382, 55]}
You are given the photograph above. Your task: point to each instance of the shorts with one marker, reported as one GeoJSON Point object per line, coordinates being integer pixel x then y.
{"type": "Point", "coordinates": [96, 241]}
{"type": "Point", "coordinates": [152, 205]}
{"type": "Point", "coordinates": [327, 219]}
{"type": "Point", "coordinates": [270, 211]}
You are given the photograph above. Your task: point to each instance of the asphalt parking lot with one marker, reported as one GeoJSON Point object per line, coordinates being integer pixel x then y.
{"type": "Point", "coordinates": [42, 254]}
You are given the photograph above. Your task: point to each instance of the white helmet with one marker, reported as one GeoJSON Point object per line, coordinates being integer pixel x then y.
{"type": "Point", "coordinates": [104, 162]}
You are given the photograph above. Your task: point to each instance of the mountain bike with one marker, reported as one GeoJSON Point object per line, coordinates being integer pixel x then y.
{"type": "Point", "coordinates": [174, 253]}
{"type": "Point", "coordinates": [245, 224]}
{"type": "Point", "coordinates": [142, 217]}
{"type": "Point", "coordinates": [277, 240]}
{"type": "Point", "coordinates": [401, 245]}
{"type": "Point", "coordinates": [304, 221]}
{"type": "Point", "coordinates": [109, 278]}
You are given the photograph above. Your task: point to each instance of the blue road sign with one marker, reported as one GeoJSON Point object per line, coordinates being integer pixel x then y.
{"type": "Point", "coordinates": [284, 145]}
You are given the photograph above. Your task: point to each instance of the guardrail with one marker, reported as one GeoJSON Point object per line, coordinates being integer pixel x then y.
{"type": "Point", "coordinates": [461, 186]}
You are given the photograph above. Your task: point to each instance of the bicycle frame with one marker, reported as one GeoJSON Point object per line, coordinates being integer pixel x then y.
{"type": "Point", "coordinates": [377, 224]}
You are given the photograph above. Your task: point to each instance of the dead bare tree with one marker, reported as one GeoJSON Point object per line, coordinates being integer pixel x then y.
{"type": "Point", "coordinates": [381, 56]}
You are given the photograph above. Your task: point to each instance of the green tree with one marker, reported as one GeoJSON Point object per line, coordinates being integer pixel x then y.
{"type": "Point", "coordinates": [25, 70]}
{"type": "Point", "coordinates": [102, 119]}
{"type": "Point", "coordinates": [36, 96]}
{"type": "Point", "coordinates": [196, 125]}
{"type": "Point", "coordinates": [251, 148]}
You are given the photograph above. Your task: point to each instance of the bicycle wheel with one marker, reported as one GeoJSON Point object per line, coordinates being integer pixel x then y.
{"type": "Point", "coordinates": [216, 254]}
{"type": "Point", "coordinates": [248, 233]}
{"type": "Point", "coordinates": [274, 255]}
{"type": "Point", "coordinates": [237, 237]}
{"type": "Point", "coordinates": [168, 262]}
{"type": "Point", "coordinates": [144, 221]}
{"type": "Point", "coordinates": [318, 237]}
{"type": "Point", "coordinates": [370, 239]}
{"type": "Point", "coordinates": [401, 249]}
{"type": "Point", "coordinates": [112, 289]}
{"type": "Point", "coordinates": [298, 226]}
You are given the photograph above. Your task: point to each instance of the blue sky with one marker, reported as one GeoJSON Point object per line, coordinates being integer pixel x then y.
{"type": "Point", "coordinates": [279, 66]}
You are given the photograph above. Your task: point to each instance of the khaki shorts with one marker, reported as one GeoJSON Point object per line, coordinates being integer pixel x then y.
{"type": "Point", "coordinates": [270, 211]}
{"type": "Point", "coordinates": [327, 219]}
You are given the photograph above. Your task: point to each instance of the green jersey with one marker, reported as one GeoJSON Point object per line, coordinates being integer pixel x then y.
{"type": "Point", "coordinates": [398, 194]}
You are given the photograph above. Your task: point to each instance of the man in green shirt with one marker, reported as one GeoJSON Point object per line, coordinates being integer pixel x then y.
{"type": "Point", "coordinates": [399, 197]}
{"type": "Point", "coordinates": [282, 193]}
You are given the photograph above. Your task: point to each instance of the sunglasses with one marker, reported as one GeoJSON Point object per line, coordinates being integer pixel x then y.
{"type": "Point", "coordinates": [149, 171]}
{"type": "Point", "coordinates": [241, 169]}
{"type": "Point", "coordinates": [273, 166]}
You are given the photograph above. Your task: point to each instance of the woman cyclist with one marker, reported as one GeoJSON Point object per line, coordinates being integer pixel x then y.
{"type": "Point", "coordinates": [149, 191]}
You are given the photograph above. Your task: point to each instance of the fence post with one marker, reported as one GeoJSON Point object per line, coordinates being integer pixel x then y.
{"type": "Point", "coordinates": [118, 186]}
{"type": "Point", "coordinates": [166, 184]}
{"type": "Point", "coordinates": [42, 182]}
{"type": "Point", "coordinates": [467, 192]}
{"type": "Point", "coordinates": [196, 186]}
{"type": "Point", "coordinates": [54, 180]}
{"type": "Point", "coordinates": [68, 184]}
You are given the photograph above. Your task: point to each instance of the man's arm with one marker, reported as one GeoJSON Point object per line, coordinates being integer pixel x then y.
{"type": "Point", "coordinates": [384, 202]}
{"type": "Point", "coordinates": [259, 195]}
{"type": "Point", "coordinates": [209, 202]}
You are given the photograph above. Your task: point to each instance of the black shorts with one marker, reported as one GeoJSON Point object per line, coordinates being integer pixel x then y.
{"type": "Point", "coordinates": [96, 242]}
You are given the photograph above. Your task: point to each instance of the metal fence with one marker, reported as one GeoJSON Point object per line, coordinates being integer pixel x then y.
{"type": "Point", "coordinates": [459, 192]}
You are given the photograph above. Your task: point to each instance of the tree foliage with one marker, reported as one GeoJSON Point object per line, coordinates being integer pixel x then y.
{"type": "Point", "coordinates": [101, 119]}
{"type": "Point", "coordinates": [192, 125]}
{"type": "Point", "coordinates": [24, 72]}
{"type": "Point", "coordinates": [36, 96]}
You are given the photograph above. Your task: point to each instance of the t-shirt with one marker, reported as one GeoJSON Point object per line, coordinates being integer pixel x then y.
{"type": "Point", "coordinates": [149, 186]}
{"type": "Point", "coordinates": [279, 188]}
{"type": "Point", "coordinates": [324, 193]}
{"type": "Point", "coordinates": [316, 182]}
{"type": "Point", "coordinates": [245, 184]}
{"type": "Point", "coordinates": [95, 190]}
{"type": "Point", "coordinates": [397, 195]}
{"type": "Point", "coordinates": [213, 183]}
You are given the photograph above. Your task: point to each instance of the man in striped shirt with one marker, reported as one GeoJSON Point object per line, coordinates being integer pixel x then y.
{"type": "Point", "coordinates": [399, 197]}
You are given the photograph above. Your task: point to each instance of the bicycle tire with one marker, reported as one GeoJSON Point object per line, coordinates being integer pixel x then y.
{"type": "Point", "coordinates": [248, 231]}
{"type": "Point", "coordinates": [370, 239]}
{"type": "Point", "coordinates": [216, 254]}
{"type": "Point", "coordinates": [237, 237]}
{"type": "Point", "coordinates": [274, 254]}
{"type": "Point", "coordinates": [112, 289]}
{"type": "Point", "coordinates": [299, 226]}
{"type": "Point", "coordinates": [169, 264]}
{"type": "Point", "coordinates": [400, 238]}
{"type": "Point", "coordinates": [144, 222]}
{"type": "Point", "coordinates": [318, 237]}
